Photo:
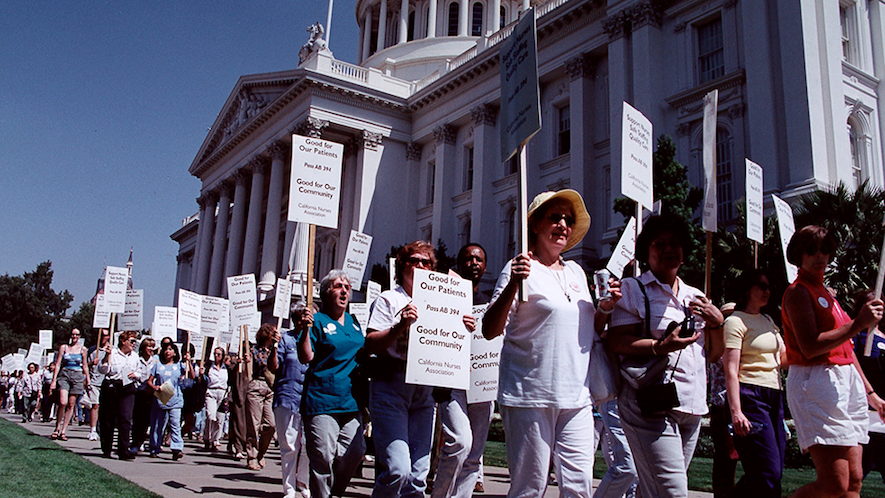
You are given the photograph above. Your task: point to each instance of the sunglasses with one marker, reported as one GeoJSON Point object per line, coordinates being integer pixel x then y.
{"type": "Point", "coordinates": [812, 249]}
{"type": "Point", "coordinates": [416, 261]}
{"type": "Point", "coordinates": [555, 218]}
{"type": "Point", "coordinates": [764, 287]}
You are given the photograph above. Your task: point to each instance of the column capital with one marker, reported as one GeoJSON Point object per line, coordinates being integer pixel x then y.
{"type": "Point", "coordinates": [444, 134]}
{"type": "Point", "coordinates": [580, 67]}
{"type": "Point", "coordinates": [647, 13]}
{"type": "Point", "coordinates": [257, 165]}
{"type": "Point", "coordinates": [207, 198]}
{"type": "Point", "coordinates": [615, 26]}
{"type": "Point", "coordinates": [728, 4]}
{"type": "Point", "coordinates": [413, 151]}
{"type": "Point", "coordinates": [277, 150]}
{"type": "Point", "coordinates": [311, 127]}
{"type": "Point", "coordinates": [369, 140]}
{"type": "Point", "coordinates": [483, 114]}
{"type": "Point", "coordinates": [241, 175]}
{"type": "Point", "coordinates": [223, 188]}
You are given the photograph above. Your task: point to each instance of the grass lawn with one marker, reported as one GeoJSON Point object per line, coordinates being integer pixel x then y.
{"type": "Point", "coordinates": [701, 470]}
{"type": "Point", "coordinates": [35, 466]}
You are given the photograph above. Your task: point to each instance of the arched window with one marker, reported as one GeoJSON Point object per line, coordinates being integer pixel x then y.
{"type": "Point", "coordinates": [856, 141]}
{"type": "Point", "coordinates": [476, 22]}
{"type": "Point", "coordinates": [724, 177]}
{"type": "Point", "coordinates": [464, 235]}
{"type": "Point", "coordinates": [411, 32]}
{"type": "Point", "coordinates": [503, 21]}
{"type": "Point", "coordinates": [453, 18]}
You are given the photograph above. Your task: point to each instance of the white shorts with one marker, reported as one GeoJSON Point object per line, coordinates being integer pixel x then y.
{"type": "Point", "coordinates": [828, 404]}
{"type": "Point", "coordinates": [91, 396]}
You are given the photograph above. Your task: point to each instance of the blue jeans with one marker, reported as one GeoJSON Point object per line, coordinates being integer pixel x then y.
{"type": "Point", "coordinates": [762, 454]}
{"type": "Point", "coordinates": [402, 418]}
{"type": "Point", "coordinates": [159, 418]}
{"type": "Point", "coordinates": [620, 479]}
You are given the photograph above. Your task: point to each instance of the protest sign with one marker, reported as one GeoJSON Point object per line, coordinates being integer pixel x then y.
{"type": "Point", "coordinates": [439, 344]}
{"type": "Point", "coordinates": [710, 205]}
{"type": "Point", "coordinates": [315, 180]}
{"type": "Point", "coordinates": [6, 363]}
{"type": "Point", "coordinates": [211, 311]}
{"type": "Point", "coordinates": [391, 262]}
{"type": "Point", "coordinates": [243, 299]}
{"type": "Point", "coordinates": [484, 358]}
{"type": "Point", "coordinates": [360, 312]}
{"type": "Point", "coordinates": [754, 202]}
{"type": "Point", "coordinates": [624, 251]}
{"type": "Point", "coordinates": [520, 112]}
{"type": "Point", "coordinates": [132, 317]}
{"type": "Point", "coordinates": [115, 280]}
{"type": "Point", "coordinates": [18, 361]}
{"type": "Point", "coordinates": [225, 331]}
{"type": "Point", "coordinates": [282, 299]}
{"type": "Point", "coordinates": [35, 354]}
{"type": "Point", "coordinates": [102, 317]}
{"type": "Point", "coordinates": [165, 321]}
{"type": "Point", "coordinates": [189, 307]}
{"type": "Point", "coordinates": [373, 290]}
{"type": "Point", "coordinates": [356, 257]}
{"type": "Point", "coordinates": [46, 339]}
{"type": "Point", "coordinates": [636, 157]}
{"type": "Point", "coordinates": [786, 227]}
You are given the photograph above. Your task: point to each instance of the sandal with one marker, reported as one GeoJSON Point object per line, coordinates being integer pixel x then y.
{"type": "Point", "coordinates": [54, 435]}
{"type": "Point", "coordinates": [63, 437]}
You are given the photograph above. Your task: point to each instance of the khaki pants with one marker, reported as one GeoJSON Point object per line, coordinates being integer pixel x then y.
{"type": "Point", "coordinates": [260, 425]}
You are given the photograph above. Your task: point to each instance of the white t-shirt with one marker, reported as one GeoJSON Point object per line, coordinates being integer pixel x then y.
{"type": "Point", "coordinates": [666, 307]}
{"type": "Point", "coordinates": [385, 314]}
{"type": "Point", "coordinates": [545, 359]}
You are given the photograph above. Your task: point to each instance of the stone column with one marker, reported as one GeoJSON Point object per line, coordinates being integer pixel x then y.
{"type": "Point", "coordinates": [495, 16]}
{"type": "Point", "coordinates": [369, 149]}
{"type": "Point", "coordinates": [367, 35]}
{"type": "Point", "coordinates": [211, 200]}
{"type": "Point", "coordinates": [486, 162]}
{"type": "Point", "coordinates": [219, 243]}
{"type": "Point", "coordinates": [382, 25]}
{"type": "Point", "coordinates": [464, 18]}
{"type": "Point", "coordinates": [526, 4]}
{"type": "Point", "coordinates": [585, 174]}
{"type": "Point", "coordinates": [618, 90]}
{"type": "Point", "coordinates": [443, 181]}
{"type": "Point", "coordinates": [404, 22]}
{"type": "Point", "coordinates": [269, 253]}
{"type": "Point", "coordinates": [195, 262]}
{"type": "Point", "coordinates": [237, 229]}
{"type": "Point", "coordinates": [648, 62]}
{"type": "Point", "coordinates": [431, 20]}
{"type": "Point", "coordinates": [253, 221]}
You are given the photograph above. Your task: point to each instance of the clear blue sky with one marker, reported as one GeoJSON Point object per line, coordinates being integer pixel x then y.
{"type": "Point", "coordinates": [103, 107]}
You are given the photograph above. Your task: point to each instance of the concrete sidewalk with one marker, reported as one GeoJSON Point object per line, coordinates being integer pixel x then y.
{"type": "Point", "coordinates": [217, 474]}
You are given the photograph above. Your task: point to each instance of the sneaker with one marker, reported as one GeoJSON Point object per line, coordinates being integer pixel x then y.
{"type": "Point", "coordinates": [239, 456]}
{"type": "Point", "coordinates": [304, 492]}
{"type": "Point", "coordinates": [177, 455]}
{"type": "Point", "coordinates": [93, 436]}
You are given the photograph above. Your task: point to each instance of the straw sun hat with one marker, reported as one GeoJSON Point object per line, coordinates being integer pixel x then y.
{"type": "Point", "coordinates": [582, 217]}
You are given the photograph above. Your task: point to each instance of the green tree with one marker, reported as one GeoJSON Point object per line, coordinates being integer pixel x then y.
{"type": "Point", "coordinates": [27, 305]}
{"type": "Point", "coordinates": [677, 196]}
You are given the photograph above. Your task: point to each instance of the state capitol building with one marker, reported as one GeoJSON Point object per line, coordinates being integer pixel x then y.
{"type": "Point", "coordinates": [801, 85]}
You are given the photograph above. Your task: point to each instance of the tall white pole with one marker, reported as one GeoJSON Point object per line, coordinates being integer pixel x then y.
{"type": "Point", "coordinates": [329, 26]}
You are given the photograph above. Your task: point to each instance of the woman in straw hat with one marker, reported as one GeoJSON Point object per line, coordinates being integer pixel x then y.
{"type": "Point", "coordinates": [543, 389]}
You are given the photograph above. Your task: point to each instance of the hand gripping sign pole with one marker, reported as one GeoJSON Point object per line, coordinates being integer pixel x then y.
{"type": "Point", "coordinates": [711, 101]}
{"type": "Point", "coordinates": [520, 107]}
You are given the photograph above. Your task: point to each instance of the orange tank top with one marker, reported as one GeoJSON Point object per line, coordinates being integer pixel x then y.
{"type": "Point", "coordinates": [828, 315]}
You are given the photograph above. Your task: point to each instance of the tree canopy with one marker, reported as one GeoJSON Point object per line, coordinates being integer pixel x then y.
{"type": "Point", "coordinates": [27, 305]}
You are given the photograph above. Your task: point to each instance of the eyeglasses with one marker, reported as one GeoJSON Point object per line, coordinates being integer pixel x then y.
{"type": "Point", "coordinates": [812, 249]}
{"type": "Point", "coordinates": [763, 286]}
{"type": "Point", "coordinates": [555, 218]}
{"type": "Point", "coordinates": [133, 341]}
{"type": "Point", "coordinates": [416, 261]}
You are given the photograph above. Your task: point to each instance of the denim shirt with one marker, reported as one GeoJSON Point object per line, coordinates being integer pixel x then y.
{"type": "Point", "coordinates": [289, 381]}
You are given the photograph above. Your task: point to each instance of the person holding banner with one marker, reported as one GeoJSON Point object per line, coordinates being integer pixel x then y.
{"type": "Point", "coordinates": [332, 421]}
{"type": "Point", "coordinates": [260, 424]}
{"type": "Point", "coordinates": [402, 414]}
{"type": "Point", "coordinates": [167, 376]}
{"type": "Point", "coordinates": [31, 382]}
{"type": "Point", "coordinates": [93, 388]}
{"type": "Point", "coordinates": [826, 389]}
{"type": "Point", "coordinates": [119, 367]}
{"type": "Point", "coordinates": [141, 413]}
{"type": "Point", "coordinates": [70, 376]}
{"type": "Point", "coordinates": [668, 330]}
{"type": "Point", "coordinates": [754, 352]}
{"type": "Point", "coordinates": [216, 388]}
{"type": "Point", "coordinates": [873, 367]}
{"type": "Point", "coordinates": [543, 389]}
{"type": "Point", "coordinates": [465, 426]}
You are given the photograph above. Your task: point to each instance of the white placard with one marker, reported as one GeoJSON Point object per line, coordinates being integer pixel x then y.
{"type": "Point", "coordinates": [356, 258]}
{"type": "Point", "coordinates": [165, 321]}
{"type": "Point", "coordinates": [636, 157]}
{"type": "Point", "coordinates": [48, 359]}
{"type": "Point", "coordinates": [102, 317]}
{"type": "Point", "coordinates": [710, 205]}
{"type": "Point", "coordinates": [115, 279]}
{"type": "Point", "coordinates": [225, 331]}
{"type": "Point", "coordinates": [211, 312]}
{"type": "Point", "coordinates": [755, 227]}
{"type": "Point", "coordinates": [625, 250]}
{"type": "Point", "coordinates": [7, 362]}
{"type": "Point", "coordinates": [360, 312]}
{"type": "Point", "coordinates": [243, 299]}
{"type": "Point", "coordinates": [133, 318]}
{"type": "Point", "coordinates": [282, 299]}
{"type": "Point", "coordinates": [392, 265]}
{"type": "Point", "coordinates": [484, 358]}
{"type": "Point", "coordinates": [439, 344]}
{"type": "Point", "coordinates": [786, 227]}
{"type": "Point", "coordinates": [18, 362]}
{"type": "Point", "coordinates": [520, 114]}
{"type": "Point", "coordinates": [314, 188]}
{"type": "Point", "coordinates": [35, 354]}
{"type": "Point", "coordinates": [46, 339]}
{"type": "Point", "coordinates": [254, 323]}
{"type": "Point", "coordinates": [373, 290]}
{"type": "Point", "coordinates": [189, 308]}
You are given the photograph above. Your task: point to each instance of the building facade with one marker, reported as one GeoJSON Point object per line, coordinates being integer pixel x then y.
{"type": "Point", "coordinates": [800, 93]}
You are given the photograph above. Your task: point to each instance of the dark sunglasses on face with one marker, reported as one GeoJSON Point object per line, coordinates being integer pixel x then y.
{"type": "Point", "coordinates": [555, 218]}
{"type": "Point", "coordinates": [416, 261]}
{"type": "Point", "coordinates": [812, 249]}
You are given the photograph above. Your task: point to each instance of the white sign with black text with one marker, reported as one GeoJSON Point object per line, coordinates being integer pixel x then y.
{"type": "Point", "coordinates": [356, 258]}
{"type": "Point", "coordinates": [314, 188]}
